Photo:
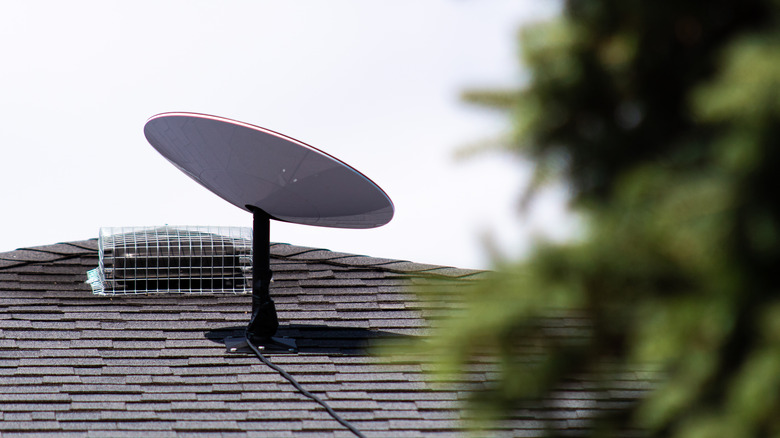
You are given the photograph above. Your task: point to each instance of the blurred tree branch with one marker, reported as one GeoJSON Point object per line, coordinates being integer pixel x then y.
{"type": "Point", "coordinates": [664, 120]}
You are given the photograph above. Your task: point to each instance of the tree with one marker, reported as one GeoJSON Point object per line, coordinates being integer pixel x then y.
{"type": "Point", "coordinates": [664, 121]}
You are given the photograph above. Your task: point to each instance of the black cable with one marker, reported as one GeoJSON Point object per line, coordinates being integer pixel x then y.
{"type": "Point", "coordinates": [298, 386]}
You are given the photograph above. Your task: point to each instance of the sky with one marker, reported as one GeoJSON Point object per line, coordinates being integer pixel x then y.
{"type": "Point", "coordinates": [375, 84]}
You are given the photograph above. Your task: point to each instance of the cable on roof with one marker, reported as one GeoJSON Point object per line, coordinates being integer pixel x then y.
{"type": "Point", "coordinates": [303, 391]}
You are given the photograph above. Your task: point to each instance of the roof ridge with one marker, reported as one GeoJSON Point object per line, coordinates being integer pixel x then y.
{"type": "Point", "coordinates": [288, 251]}
{"type": "Point", "coordinates": [44, 254]}
{"type": "Point", "coordinates": [61, 248]}
{"type": "Point", "coordinates": [279, 250]}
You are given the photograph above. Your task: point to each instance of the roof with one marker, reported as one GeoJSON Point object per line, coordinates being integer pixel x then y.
{"type": "Point", "coordinates": [74, 363]}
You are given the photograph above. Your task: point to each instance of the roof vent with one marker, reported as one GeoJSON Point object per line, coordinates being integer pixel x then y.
{"type": "Point", "coordinates": [181, 259]}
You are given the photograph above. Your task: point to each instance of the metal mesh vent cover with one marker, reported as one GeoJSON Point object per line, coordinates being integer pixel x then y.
{"type": "Point", "coordinates": [178, 259]}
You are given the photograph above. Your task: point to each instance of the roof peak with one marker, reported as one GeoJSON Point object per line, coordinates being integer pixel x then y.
{"type": "Point", "coordinates": [283, 251]}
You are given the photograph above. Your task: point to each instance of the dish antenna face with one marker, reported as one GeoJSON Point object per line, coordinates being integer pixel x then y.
{"type": "Point", "coordinates": [273, 177]}
{"type": "Point", "coordinates": [255, 168]}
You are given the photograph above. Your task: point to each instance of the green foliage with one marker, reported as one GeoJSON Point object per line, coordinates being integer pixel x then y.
{"type": "Point", "coordinates": [663, 117]}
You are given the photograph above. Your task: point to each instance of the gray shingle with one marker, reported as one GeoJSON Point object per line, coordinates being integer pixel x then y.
{"type": "Point", "coordinates": [318, 255]}
{"type": "Point", "coordinates": [75, 363]}
{"type": "Point", "coordinates": [29, 255]}
{"type": "Point", "coordinates": [287, 250]}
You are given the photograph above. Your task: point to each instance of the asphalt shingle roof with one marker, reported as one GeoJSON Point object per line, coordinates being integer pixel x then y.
{"type": "Point", "coordinates": [73, 363]}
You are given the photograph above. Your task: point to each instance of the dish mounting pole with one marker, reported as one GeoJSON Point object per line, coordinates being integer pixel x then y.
{"type": "Point", "coordinates": [264, 321]}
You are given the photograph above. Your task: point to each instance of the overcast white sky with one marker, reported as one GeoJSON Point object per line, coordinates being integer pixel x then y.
{"type": "Point", "coordinates": [373, 83]}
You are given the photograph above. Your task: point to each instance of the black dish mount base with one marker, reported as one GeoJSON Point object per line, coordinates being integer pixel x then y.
{"type": "Point", "coordinates": [272, 345]}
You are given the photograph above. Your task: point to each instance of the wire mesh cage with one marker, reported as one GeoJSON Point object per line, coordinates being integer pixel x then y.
{"type": "Point", "coordinates": [177, 259]}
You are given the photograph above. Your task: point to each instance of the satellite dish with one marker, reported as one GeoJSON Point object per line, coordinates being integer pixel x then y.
{"type": "Point", "coordinates": [253, 167]}
{"type": "Point", "coordinates": [273, 177]}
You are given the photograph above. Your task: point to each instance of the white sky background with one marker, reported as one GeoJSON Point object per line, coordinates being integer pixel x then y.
{"type": "Point", "coordinates": [375, 84]}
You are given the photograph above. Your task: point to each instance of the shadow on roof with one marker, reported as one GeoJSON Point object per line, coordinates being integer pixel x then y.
{"type": "Point", "coordinates": [319, 339]}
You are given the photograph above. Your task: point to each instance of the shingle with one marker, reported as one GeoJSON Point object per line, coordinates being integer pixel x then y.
{"type": "Point", "coordinates": [132, 433]}
{"type": "Point", "coordinates": [11, 263]}
{"type": "Point", "coordinates": [15, 323]}
{"type": "Point", "coordinates": [147, 425]}
{"type": "Point", "coordinates": [452, 272]}
{"type": "Point", "coordinates": [287, 250]}
{"type": "Point", "coordinates": [404, 266]}
{"type": "Point", "coordinates": [91, 244]}
{"type": "Point", "coordinates": [351, 260]}
{"type": "Point", "coordinates": [317, 255]}
{"type": "Point", "coordinates": [335, 282]}
{"type": "Point", "coordinates": [26, 255]}
{"type": "Point", "coordinates": [15, 380]}
{"type": "Point", "coordinates": [32, 371]}
{"type": "Point", "coordinates": [206, 425]}
{"type": "Point", "coordinates": [90, 343]}
{"type": "Point", "coordinates": [33, 397]}
{"type": "Point", "coordinates": [73, 248]}
{"type": "Point", "coordinates": [36, 407]}
{"type": "Point", "coordinates": [59, 361]}
{"type": "Point", "coordinates": [155, 365]}
{"type": "Point", "coordinates": [271, 425]}
{"type": "Point", "coordinates": [91, 425]}
{"type": "Point", "coordinates": [29, 425]}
